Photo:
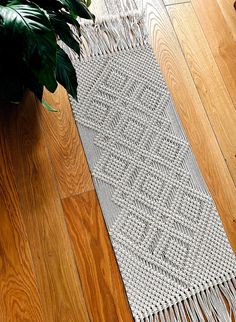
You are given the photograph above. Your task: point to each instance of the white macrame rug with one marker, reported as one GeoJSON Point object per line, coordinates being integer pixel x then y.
{"type": "Point", "coordinates": [172, 251]}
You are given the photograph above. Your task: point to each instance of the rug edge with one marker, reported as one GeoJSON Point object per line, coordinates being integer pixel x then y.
{"type": "Point", "coordinates": [214, 300]}
{"type": "Point", "coordinates": [109, 35]}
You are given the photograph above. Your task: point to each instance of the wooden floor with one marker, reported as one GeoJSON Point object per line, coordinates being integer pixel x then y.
{"type": "Point", "coordinates": [56, 260]}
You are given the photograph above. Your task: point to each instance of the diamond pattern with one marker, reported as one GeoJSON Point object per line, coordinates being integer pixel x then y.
{"type": "Point", "coordinates": [167, 235]}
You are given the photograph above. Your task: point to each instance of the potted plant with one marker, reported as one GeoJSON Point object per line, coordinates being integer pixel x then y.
{"type": "Point", "coordinates": [30, 56]}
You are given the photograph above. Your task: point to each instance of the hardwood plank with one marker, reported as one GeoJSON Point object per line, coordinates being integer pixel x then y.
{"type": "Point", "coordinates": [169, 2]}
{"type": "Point", "coordinates": [100, 277]}
{"type": "Point", "coordinates": [214, 94]}
{"type": "Point", "coordinates": [64, 146]}
{"type": "Point", "coordinates": [19, 296]}
{"type": "Point", "coordinates": [55, 267]}
{"type": "Point", "coordinates": [228, 11]}
{"type": "Point", "coordinates": [220, 40]}
{"type": "Point", "coordinates": [192, 114]}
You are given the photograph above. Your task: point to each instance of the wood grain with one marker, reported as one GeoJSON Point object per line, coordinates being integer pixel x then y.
{"type": "Point", "coordinates": [214, 94]}
{"type": "Point", "coordinates": [44, 285]}
{"type": "Point", "coordinates": [229, 13]}
{"type": "Point", "coordinates": [220, 40]}
{"type": "Point", "coordinates": [192, 114]}
{"type": "Point", "coordinates": [55, 267]}
{"type": "Point", "coordinates": [64, 146]}
{"type": "Point", "coordinates": [99, 274]}
{"type": "Point", "coordinates": [19, 296]}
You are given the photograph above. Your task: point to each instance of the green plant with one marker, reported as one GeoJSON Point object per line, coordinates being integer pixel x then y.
{"type": "Point", "coordinates": [30, 57]}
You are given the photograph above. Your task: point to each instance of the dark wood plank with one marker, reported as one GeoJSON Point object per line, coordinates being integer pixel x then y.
{"type": "Point", "coordinates": [19, 296]}
{"type": "Point", "coordinates": [64, 146]}
{"type": "Point", "coordinates": [100, 278]}
{"type": "Point", "coordinates": [55, 267]}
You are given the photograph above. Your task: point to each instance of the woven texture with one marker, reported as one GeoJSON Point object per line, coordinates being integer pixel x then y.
{"type": "Point", "coordinates": [167, 235]}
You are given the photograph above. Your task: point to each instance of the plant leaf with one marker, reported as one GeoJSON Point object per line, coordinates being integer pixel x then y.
{"type": "Point", "coordinates": [69, 19]}
{"type": "Point", "coordinates": [87, 2]}
{"type": "Point", "coordinates": [34, 86]}
{"type": "Point", "coordinates": [78, 8]}
{"type": "Point", "coordinates": [48, 107]}
{"type": "Point", "coordinates": [83, 11]}
{"type": "Point", "coordinates": [64, 32]}
{"type": "Point", "coordinates": [49, 5]}
{"type": "Point", "coordinates": [30, 21]}
{"type": "Point", "coordinates": [69, 5]}
{"type": "Point", "coordinates": [65, 72]}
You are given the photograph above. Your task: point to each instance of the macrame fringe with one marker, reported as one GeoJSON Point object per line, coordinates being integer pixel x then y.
{"type": "Point", "coordinates": [217, 302]}
{"type": "Point", "coordinates": [214, 304]}
{"type": "Point", "coordinates": [110, 35]}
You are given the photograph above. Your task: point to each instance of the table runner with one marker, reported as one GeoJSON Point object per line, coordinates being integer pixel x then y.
{"type": "Point", "coordinates": [171, 248]}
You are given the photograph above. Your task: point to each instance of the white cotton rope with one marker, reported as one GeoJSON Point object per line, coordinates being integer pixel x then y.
{"type": "Point", "coordinates": [170, 245]}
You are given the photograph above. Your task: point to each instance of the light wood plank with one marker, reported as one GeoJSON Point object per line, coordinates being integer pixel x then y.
{"type": "Point", "coordinates": [42, 214]}
{"type": "Point", "coordinates": [192, 114]}
{"type": "Point", "coordinates": [229, 13]}
{"type": "Point", "coordinates": [65, 149]}
{"type": "Point", "coordinates": [214, 94]}
{"type": "Point", "coordinates": [220, 40]}
{"type": "Point", "coordinates": [100, 277]}
{"type": "Point", "coordinates": [19, 296]}
{"type": "Point", "coordinates": [55, 267]}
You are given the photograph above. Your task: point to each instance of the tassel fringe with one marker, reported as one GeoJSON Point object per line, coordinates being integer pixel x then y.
{"type": "Point", "coordinates": [216, 303]}
{"type": "Point", "coordinates": [110, 35]}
